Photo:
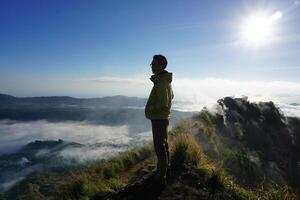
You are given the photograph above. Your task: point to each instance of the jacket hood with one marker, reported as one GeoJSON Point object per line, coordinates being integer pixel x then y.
{"type": "Point", "coordinates": [164, 75]}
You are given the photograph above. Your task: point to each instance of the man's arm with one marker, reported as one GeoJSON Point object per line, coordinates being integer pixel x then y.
{"type": "Point", "coordinates": [162, 97]}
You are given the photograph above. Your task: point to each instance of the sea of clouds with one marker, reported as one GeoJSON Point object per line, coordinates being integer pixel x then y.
{"type": "Point", "coordinates": [15, 134]}
{"type": "Point", "coordinates": [99, 142]}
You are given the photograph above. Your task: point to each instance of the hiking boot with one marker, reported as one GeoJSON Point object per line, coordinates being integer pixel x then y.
{"type": "Point", "coordinates": [168, 174]}
{"type": "Point", "coordinates": [160, 182]}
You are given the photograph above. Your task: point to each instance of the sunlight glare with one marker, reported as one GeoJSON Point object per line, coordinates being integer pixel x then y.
{"type": "Point", "coordinates": [259, 28]}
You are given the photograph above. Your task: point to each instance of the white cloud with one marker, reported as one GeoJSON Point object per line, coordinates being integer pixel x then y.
{"type": "Point", "coordinates": [112, 80]}
{"type": "Point", "coordinates": [106, 148]}
{"type": "Point", "coordinates": [15, 134]}
{"type": "Point", "coordinates": [193, 93]}
{"type": "Point", "coordinates": [100, 142]}
{"type": "Point", "coordinates": [206, 92]}
{"type": "Point", "coordinates": [290, 110]}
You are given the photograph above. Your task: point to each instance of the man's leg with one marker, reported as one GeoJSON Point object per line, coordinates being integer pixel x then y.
{"type": "Point", "coordinates": [167, 144]}
{"type": "Point", "coordinates": [160, 137]}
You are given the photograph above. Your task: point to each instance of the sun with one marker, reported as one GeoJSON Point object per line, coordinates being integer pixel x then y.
{"type": "Point", "coordinates": [259, 28]}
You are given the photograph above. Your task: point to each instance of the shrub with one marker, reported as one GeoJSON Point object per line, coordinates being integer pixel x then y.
{"type": "Point", "coordinates": [97, 181]}
{"type": "Point", "coordinates": [32, 193]}
{"type": "Point", "coordinates": [78, 189]}
{"type": "Point", "coordinates": [216, 180]}
{"type": "Point", "coordinates": [185, 151]}
{"type": "Point", "coordinates": [280, 193]}
{"type": "Point", "coordinates": [115, 184]}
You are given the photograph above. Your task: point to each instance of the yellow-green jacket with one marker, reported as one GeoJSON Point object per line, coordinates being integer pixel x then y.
{"type": "Point", "coordinates": [160, 100]}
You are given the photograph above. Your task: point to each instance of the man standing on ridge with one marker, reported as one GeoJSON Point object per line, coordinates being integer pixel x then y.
{"type": "Point", "coordinates": [158, 111]}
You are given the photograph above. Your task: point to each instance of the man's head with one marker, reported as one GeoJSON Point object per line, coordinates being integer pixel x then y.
{"type": "Point", "coordinates": [158, 64]}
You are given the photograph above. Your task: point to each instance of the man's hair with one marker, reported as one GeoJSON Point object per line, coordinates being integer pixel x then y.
{"type": "Point", "coordinates": [161, 59]}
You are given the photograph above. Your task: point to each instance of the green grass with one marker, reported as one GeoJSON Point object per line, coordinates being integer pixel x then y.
{"type": "Point", "coordinates": [103, 178]}
{"type": "Point", "coordinates": [185, 151]}
{"type": "Point", "coordinates": [278, 193]}
{"type": "Point", "coordinates": [204, 121]}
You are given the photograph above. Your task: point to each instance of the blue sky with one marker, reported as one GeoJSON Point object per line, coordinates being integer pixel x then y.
{"type": "Point", "coordinates": [61, 40]}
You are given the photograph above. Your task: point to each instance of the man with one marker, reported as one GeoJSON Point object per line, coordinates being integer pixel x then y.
{"type": "Point", "coordinates": [158, 111]}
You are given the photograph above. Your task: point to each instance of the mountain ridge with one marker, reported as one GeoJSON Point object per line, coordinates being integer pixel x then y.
{"type": "Point", "coordinates": [57, 100]}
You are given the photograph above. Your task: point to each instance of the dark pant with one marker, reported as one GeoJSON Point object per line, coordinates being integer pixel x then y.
{"type": "Point", "coordinates": [160, 140]}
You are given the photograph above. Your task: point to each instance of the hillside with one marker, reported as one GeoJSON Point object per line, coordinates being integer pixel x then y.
{"type": "Point", "coordinates": [255, 141]}
{"type": "Point", "coordinates": [236, 150]}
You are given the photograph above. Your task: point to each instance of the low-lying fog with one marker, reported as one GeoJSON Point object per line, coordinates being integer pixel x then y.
{"type": "Point", "coordinates": [14, 134]}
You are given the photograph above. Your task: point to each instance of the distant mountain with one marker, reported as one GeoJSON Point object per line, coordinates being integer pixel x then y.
{"type": "Point", "coordinates": [294, 104]}
{"type": "Point", "coordinates": [114, 110]}
{"type": "Point", "coordinates": [109, 101]}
